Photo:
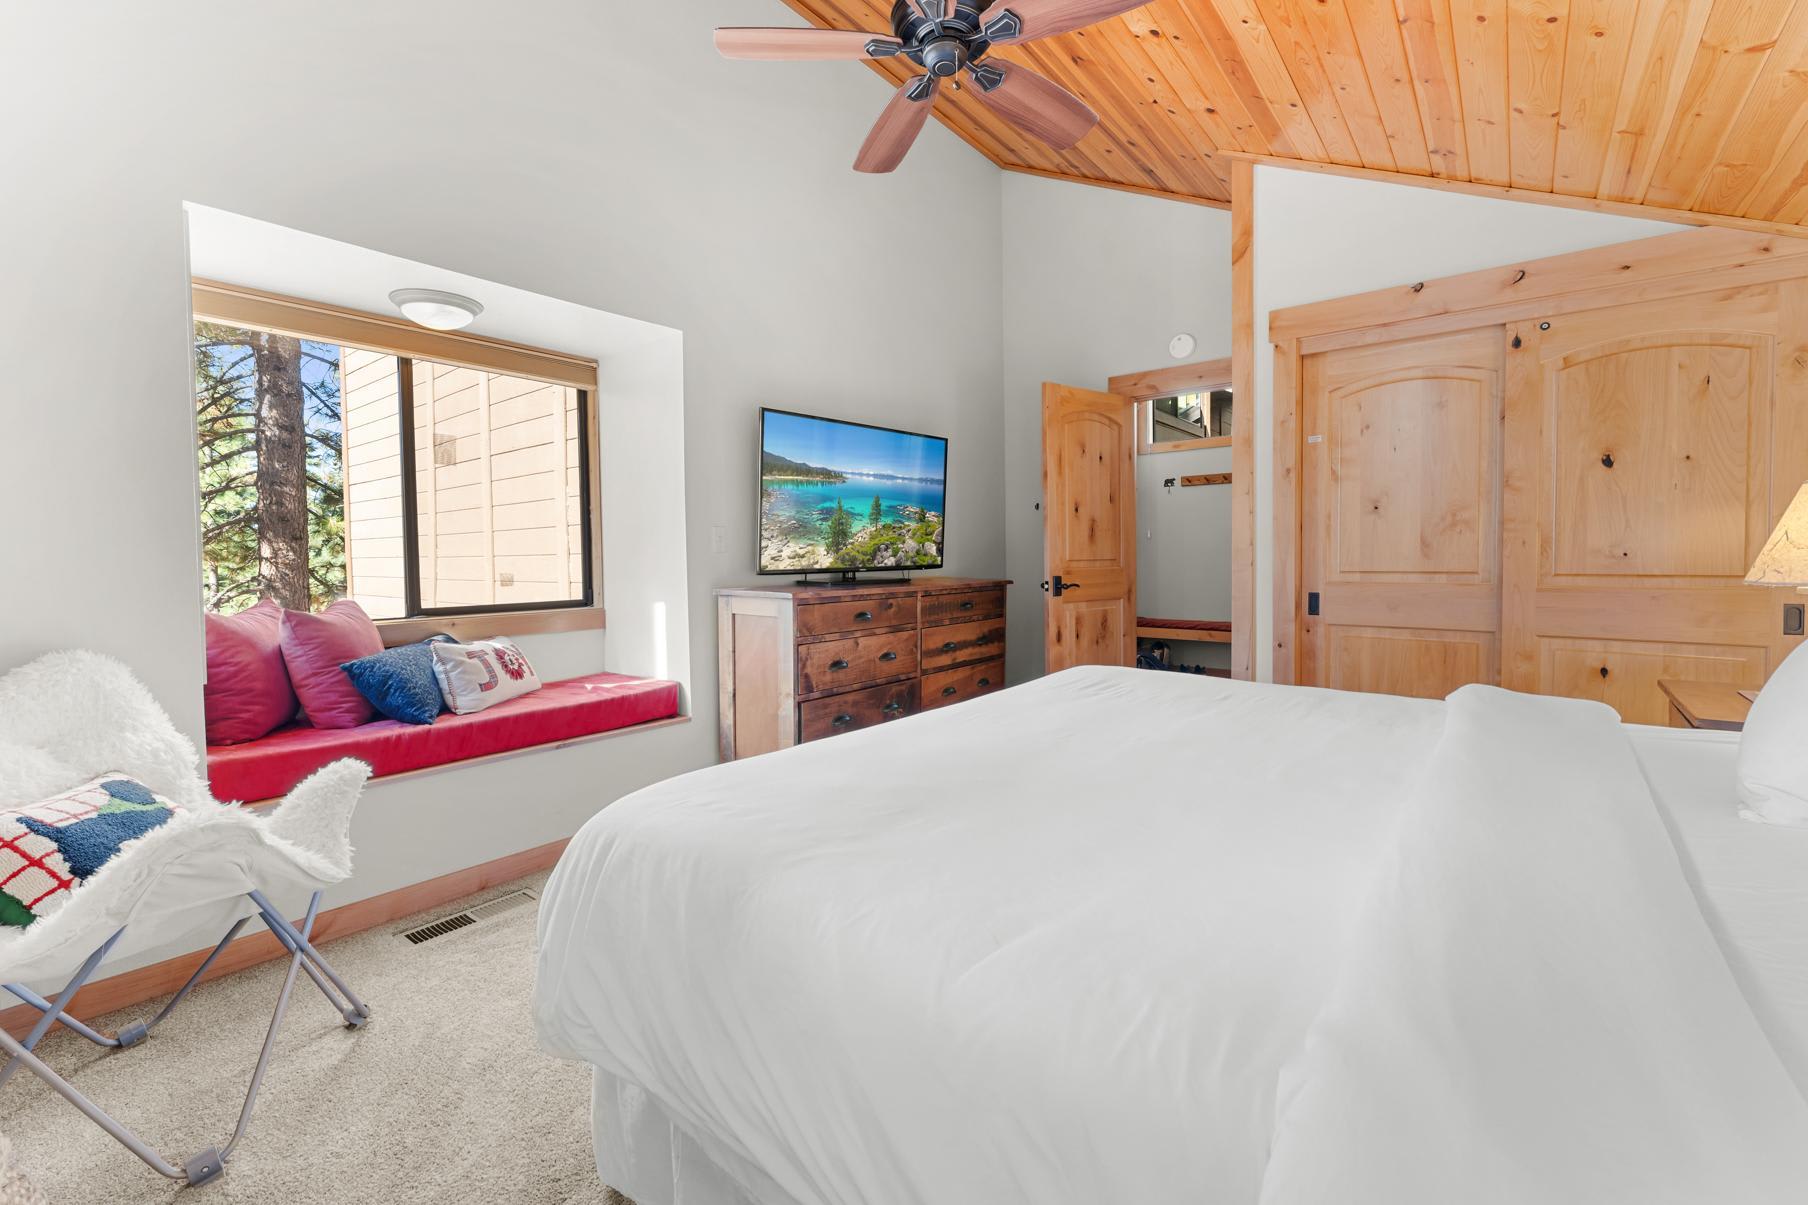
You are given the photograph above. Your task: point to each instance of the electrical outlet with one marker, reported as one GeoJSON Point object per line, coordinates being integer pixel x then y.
{"type": "Point", "coordinates": [718, 540]}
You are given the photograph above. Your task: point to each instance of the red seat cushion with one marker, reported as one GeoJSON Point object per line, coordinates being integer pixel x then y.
{"type": "Point", "coordinates": [559, 711]}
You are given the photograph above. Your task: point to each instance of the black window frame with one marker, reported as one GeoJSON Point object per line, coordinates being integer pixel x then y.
{"type": "Point", "coordinates": [411, 561]}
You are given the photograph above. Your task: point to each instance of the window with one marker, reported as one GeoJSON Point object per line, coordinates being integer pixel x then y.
{"type": "Point", "coordinates": [421, 488]}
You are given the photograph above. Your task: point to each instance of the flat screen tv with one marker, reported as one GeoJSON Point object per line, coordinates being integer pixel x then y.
{"type": "Point", "coordinates": [846, 498]}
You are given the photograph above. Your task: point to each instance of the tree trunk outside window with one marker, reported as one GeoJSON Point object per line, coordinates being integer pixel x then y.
{"type": "Point", "coordinates": [282, 465]}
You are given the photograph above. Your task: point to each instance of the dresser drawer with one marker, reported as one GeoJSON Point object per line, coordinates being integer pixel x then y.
{"type": "Point", "coordinates": [959, 643]}
{"type": "Point", "coordinates": [974, 604]}
{"type": "Point", "coordinates": [829, 619]}
{"type": "Point", "coordinates": [830, 664]}
{"type": "Point", "coordinates": [818, 718]}
{"type": "Point", "coordinates": [967, 682]}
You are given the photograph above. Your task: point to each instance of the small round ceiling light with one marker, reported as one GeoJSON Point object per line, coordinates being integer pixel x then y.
{"type": "Point", "coordinates": [1181, 346]}
{"type": "Point", "coordinates": [436, 310]}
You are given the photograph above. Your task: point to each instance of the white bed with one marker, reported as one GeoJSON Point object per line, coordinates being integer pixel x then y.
{"type": "Point", "coordinates": [1061, 944]}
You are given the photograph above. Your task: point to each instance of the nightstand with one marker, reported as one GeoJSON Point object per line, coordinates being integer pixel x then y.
{"type": "Point", "coordinates": [1716, 705]}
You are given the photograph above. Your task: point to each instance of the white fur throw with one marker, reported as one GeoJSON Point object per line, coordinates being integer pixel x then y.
{"type": "Point", "coordinates": [69, 716]}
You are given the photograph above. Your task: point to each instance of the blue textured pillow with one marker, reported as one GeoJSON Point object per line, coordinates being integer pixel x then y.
{"type": "Point", "coordinates": [399, 682]}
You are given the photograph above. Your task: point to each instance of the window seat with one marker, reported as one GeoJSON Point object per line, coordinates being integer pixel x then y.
{"type": "Point", "coordinates": [559, 711]}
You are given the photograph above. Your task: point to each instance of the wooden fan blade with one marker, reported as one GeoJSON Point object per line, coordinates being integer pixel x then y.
{"type": "Point", "coordinates": [1037, 105]}
{"type": "Point", "coordinates": [898, 127]}
{"type": "Point", "coordinates": [800, 44]}
{"type": "Point", "coordinates": [1045, 18]}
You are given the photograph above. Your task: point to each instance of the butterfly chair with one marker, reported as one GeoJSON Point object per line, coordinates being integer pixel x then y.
{"type": "Point", "coordinates": [70, 717]}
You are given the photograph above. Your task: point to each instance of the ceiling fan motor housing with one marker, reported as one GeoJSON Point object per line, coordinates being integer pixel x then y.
{"type": "Point", "coordinates": [941, 46]}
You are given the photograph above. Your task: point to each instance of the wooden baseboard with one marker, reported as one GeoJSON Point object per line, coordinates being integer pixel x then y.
{"type": "Point", "coordinates": [160, 979]}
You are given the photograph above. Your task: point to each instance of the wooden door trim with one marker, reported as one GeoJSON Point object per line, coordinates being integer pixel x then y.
{"type": "Point", "coordinates": [1198, 377]}
{"type": "Point", "coordinates": [1242, 425]}
{"type": "Point", "coordinates": [1708, 260]}
{"type": "Point", "coordinates": [1288, 538]}
{"type": "Point", "coordinates": [1595, 278]}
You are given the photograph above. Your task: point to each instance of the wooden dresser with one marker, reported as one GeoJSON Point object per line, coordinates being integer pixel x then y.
{"type": "Point", "coordinates": [802, 662]}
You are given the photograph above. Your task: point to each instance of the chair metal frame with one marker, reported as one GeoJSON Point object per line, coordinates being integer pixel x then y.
{"type": "Point", "coordinates": [210, 1162]}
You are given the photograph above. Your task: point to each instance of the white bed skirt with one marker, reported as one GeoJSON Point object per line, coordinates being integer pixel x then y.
{"type": "Point", "coordinates": [643, 1154]}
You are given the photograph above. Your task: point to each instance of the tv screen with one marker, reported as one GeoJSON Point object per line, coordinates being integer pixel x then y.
{"type": "Point", "coordinates": [839, 496]}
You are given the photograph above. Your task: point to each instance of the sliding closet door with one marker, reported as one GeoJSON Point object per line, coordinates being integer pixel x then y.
{"type": "Point", "coordinates": [1400, 507]}
{"type": "Point", "coordinates": [1642, 479]}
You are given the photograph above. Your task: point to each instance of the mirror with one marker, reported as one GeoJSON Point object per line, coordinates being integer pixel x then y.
{"type": "Point", "coordinates": [1186, 417]}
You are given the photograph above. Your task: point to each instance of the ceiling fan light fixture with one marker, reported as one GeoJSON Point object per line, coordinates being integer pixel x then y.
{"type": "Point", "coordinates": [436, 310]}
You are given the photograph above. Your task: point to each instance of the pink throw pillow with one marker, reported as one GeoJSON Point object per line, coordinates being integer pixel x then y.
{"type": "Point", "coordinates": [314, 646]}
{"type": "Point", "coordinates": [247, 693]}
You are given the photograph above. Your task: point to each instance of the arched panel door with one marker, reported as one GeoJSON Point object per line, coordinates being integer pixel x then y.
{"type": "Point", "coordinates": [1089, 527]}
{"type": "Point", "coordinates": [1400, 506]}
{"type": "Point", "coordinates": [1648, 454]}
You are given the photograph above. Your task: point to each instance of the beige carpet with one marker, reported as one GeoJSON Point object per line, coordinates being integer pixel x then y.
{"type": "Point", "coordinates": [443, 1097]}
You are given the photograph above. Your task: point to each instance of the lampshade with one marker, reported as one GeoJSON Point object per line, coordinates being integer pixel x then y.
{"type": "Point", "coordinates": [1784, 561]}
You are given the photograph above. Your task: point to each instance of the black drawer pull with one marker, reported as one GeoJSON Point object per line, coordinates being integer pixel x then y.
{"type": "Point", "coordinates": [950, 645]}
{"type": "Point", "coordinates": [893, 707]}
{"type": "Point", "coordinates": [967, 606]}
{"type": "Point", "coordinates": [888, 656]}
{"type": "Point", "coordinates": [842, 720]}
{"type": "Point", "coordinates": [987, 639]}
{"type": "Point", "coordinates": [838, 663]}
{"type": "Point", "coordinates": [947, 690]}
{"type": "Point", "coordinates": [863, 616]}
{"type": "Point", "coordinates": [985, 681]}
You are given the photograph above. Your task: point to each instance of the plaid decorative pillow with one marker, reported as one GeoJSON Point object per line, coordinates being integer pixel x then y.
{"type": "Point", "coordinates": [49, 849]}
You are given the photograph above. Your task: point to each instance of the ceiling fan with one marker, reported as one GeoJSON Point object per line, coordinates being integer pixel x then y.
{"type": "Point", "coordinates": [944, 38]}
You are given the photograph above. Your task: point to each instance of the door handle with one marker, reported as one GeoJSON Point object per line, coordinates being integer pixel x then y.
{"type": "Point", "coordinates": [838, 663]}
{"type": "Point", "coordinates": [888, 655]}
{"type": "Point", "coordinates": [1056, 586]}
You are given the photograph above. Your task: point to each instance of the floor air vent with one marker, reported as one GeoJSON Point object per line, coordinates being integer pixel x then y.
{"type": "Point", "coordinates": [476, 915]}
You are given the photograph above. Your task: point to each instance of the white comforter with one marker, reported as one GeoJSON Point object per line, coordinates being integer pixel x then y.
{"type": "Point", "coordinates": [1054, 945]}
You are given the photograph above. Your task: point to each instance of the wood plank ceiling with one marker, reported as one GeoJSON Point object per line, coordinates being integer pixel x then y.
{"type": "Point", "coordinates": [1696, 105]}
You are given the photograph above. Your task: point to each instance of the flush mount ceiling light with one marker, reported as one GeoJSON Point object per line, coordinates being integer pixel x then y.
{"type": "Point", "coordinates": [436, 310]}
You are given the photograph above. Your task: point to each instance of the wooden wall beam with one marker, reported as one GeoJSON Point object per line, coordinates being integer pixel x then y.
{"type": "Point", "coordinates": [1243, 421]}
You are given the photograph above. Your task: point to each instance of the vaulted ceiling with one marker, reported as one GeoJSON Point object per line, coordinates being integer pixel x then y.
{"type": "Point", "coordinates": [1695, 105]}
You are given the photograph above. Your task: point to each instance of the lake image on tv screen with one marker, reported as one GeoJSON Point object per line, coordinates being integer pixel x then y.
{"type": "Point", "coordinates": [835, 496]}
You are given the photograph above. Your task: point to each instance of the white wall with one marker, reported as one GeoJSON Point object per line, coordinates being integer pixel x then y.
{"type": "Point", "coordinates": [1320, 236]}
{"type": "Point", "coordinates": [1095, 284]}
{"type": "Point", "coordinates": [602, 154]}
{"type": "Point", "coordinates": [1183, 550]}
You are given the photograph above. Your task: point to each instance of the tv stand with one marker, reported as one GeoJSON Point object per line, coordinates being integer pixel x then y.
{"type": "Point", "coordinates": [802, 662]}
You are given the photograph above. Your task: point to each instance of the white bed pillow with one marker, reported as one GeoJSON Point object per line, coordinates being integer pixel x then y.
{"type": "Point", "coordinates": [1773, 752]}
{"type": "Point", "coordinates": [481, 674]}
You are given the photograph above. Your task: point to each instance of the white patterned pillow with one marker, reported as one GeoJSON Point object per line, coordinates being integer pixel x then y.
{"type": "Point", "coordinates": [482, 674]}
{"type": "Point", "coordinates": [1773, 758]}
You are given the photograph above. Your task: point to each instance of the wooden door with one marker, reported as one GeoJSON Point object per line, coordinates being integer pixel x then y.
{"type": "Point", "coordinates": [1089, 527]}
{"type": "Point", "coordinates": [1649, 450]}
{"type": "Point", "coordinates": [1400, 514]}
